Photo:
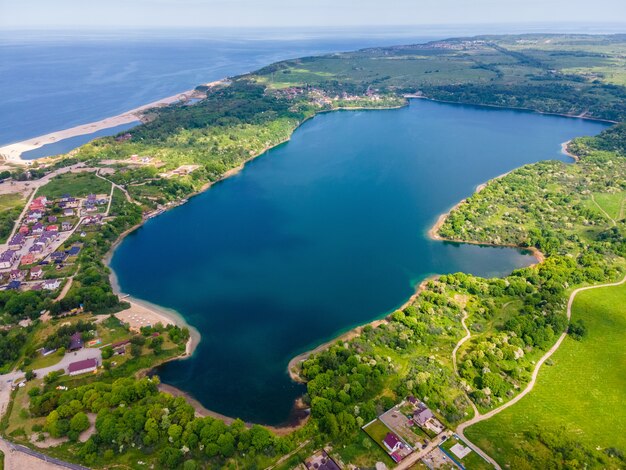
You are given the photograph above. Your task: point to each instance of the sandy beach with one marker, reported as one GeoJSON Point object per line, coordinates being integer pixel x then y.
{"type": "Point", "coordinates": [564, 151]}
{"type": "Point", "coordinates": [12, 152]}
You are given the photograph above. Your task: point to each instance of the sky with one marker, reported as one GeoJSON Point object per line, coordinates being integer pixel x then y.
{"type": "Point", "coordinates": [33, 14]}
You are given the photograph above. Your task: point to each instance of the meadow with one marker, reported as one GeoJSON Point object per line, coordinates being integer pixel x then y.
{"type": "Point", "coordinates": [590, 415]}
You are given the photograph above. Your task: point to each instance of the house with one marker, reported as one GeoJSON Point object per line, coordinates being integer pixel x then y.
{"type": "Point", "coordinates": [76, 342]}
{"type": "Point", "coordinates": [46, 352]}
{"type": "Point", "coordinates": [65, 226]}
{"type": "Point", "coordinates": [51, 284]}
{"type": "Point", "coordinates": [58, 256]}
{"type": "Point", "coordinates": [36, 287]}
{"type": "Point", "coordinates": [28, 258]}
{"type": "Point", "coordinates": [422, 415]}
{"type": "Point", "coordinates": [321, 461]}
{"type": "Point", "coordinates": [37, 228]}
{"type": "Point", "coordinates": [17, 241]}
{"type": "Point", "coordinates": [412, 400]}
{"type": "Point", "coordinates": [52, 228]}
{"type": "Point", "coordinates": [36, 273]}
{"type": "Point", "coordinates": [68, 212]}
{"type": "Point", "coordinates": [82, 367]}
{"type": "Point", "coordinates": [24, 230]}
{"type": "Point", "coordinates": [14, 285]}
{"type": "Point", "coordinates": [71, 203]}
{"type": "Point", "coordinates": [36, 248]}
{"type": "Point", "coordinates": [120, 343]}
{"type": "Point", "coordinates": [7, 259]}
{"type": "Point", "coordinates": [65, 197]}
{"type": "Point", "coordinates": [52, 219]}
{"type": "Point", "coordinates": [74, 250]}
{"type": "Point", "coordinates": [17, 275]}
{"type": "Point", "coordinates": [392, 442]}
{"type": "Point", "coordinates": [43, 241]}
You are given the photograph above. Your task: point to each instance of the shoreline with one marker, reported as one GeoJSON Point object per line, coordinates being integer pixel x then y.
{"type": "Point", "coordinates": [12, 153]}
{"type": "Point", "coordinates": [140, 306]}
{"type": "Point", "coordinates": [298, 417]}
{"type": "Point", "coordinates": [515, 108]}
{"type": "Point", "coordinates": [172, 316]}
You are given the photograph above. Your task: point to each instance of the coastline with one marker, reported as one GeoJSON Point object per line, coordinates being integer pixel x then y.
{"type": "Point", "coordinates": [12, 152]}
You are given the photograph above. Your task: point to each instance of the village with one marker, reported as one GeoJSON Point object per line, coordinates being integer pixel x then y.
{"type": "Point", "coordinates": [412, 436]}
{"type": "Point", "coordinates": [43, 242]}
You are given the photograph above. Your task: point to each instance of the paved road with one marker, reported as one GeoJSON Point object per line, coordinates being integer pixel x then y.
{"type": "Point", "coordinates": [85, 353]}
{"type": "Point", "coordinates": [461, 428]}
{"type": "Point", "coordinates": [417, 455]}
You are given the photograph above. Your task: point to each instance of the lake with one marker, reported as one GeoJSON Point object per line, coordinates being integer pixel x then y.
{"type": "Point", "coordinates": [323, 233]}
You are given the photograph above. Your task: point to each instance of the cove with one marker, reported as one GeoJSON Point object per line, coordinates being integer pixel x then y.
{"type": "Point", "coordinates": [323, 233]}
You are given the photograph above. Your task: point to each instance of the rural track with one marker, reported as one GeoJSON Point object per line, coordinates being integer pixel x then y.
{"type": "Point", "coordinates": [482, 417]}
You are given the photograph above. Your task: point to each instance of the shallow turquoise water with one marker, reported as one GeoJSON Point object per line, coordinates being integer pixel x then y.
{"type": "Point", "coordinates": [320, 234]}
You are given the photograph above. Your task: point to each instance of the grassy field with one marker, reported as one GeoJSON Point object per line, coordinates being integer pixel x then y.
{"type": "Point", "coordinates": [612, 203]}
{"type": "Point", "coordinates": [10, 209]}
{"type": "Point", "coordinates": [471, 461]}
{"type": "Point", "coordinates": [11, 201]}
{"type": "Point", "coordinates": [592, 371]}
{"type": "Point", "coordinates": [75, 184]}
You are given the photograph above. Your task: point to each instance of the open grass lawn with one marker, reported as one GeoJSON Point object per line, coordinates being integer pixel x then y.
{"type": "Point", "coordinates": [471, 461]}
{"type": "Point", "coordinates": [580, 397]}
{"type": "Point", "coordinates": [363, 453]}
{"type": "Point", "coordinates": [612, 203]}
{"type": "Point", "coordinates": [11, 201]}
{"type": "Point", "coordinates": [47, 361]}
{"type": "Point", "coordinates": [75, 184]}
{"type": "Point", "coordinates": [377, 431]}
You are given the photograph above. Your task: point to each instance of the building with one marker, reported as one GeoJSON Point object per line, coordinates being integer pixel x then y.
{"type": "Point", "coordinates": [422, 415]}
{"type": "Point", "coordinates": [14, 285]}
{"type": "Point", "coordinates": [51, 284]}
{"type": "Point", "coordinates": [68, 212]}
{"type": "Point", "coordinates": [65, 226]}
{"type": "Point", "coordinates": [7, 259]}
{"type": "Point", "coordinates": [36, 248]}
{"type": "Point", "coordinates": [82, 367]}
{"type": "Point", "coordinates": [52, 228]}
{"type": "Point", "coordinates": [392, 442]}
{"type": "Point", "coordinates": [76, 342]}
{"type": "Point", "coordinates": [58, 256]}
{"type": "Point", "coordinates": [321, 461]}
{"type": "Point", "coordinates": [28, 258]}
{"type": "Point", "coordinates": [17, 241]}
{"type": "Point", "coordinates": [17, 274]}
{"type": "Point", "coordinates": [74, 250]}
{"type": "Point", "coordinates": [37, 228]}
{"type": "Point", "coordinates": [36, 273]}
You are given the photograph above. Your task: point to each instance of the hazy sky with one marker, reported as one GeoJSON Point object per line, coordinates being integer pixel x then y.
{"type": "Point", "coordinates": [156, 13]}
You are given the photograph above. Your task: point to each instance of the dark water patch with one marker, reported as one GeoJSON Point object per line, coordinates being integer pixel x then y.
{"type": "Point", "coordinates": [321, 234]}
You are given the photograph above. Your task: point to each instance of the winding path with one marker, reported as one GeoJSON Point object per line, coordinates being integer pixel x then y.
{"type": "Point", "coordinates": [606, 214]}
{"type": "Point", "coordinates": [482, 417]}
{"type": "Point", "coordinates": [467, 336]}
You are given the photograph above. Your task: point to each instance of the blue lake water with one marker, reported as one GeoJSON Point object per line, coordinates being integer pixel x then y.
{"type": "Point", "coordinates": [323, 233]}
